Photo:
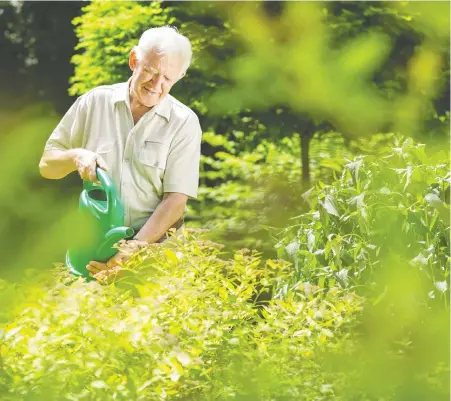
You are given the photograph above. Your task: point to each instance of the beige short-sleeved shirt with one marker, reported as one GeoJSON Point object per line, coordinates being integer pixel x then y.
{"type": "Point", "coordinates": [159, 154]}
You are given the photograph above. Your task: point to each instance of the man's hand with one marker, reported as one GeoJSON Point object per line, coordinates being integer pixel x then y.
{"type": "Point", "coordinates": [105, 272]}
{"type": "Point", "coordinates": [86, 162]}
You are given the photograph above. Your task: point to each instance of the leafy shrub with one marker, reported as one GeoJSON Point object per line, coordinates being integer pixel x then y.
{"type": "Point", "coordinates": [243, 193]}
{"type": "Point", "coordinates": [396, 202]}
{"type": "Point", "coordinates": [184, 324]}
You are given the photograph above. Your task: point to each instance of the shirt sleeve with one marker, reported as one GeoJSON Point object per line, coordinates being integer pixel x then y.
{"type": "Point", "coordinates": [182, 165]}
{"type": "Point", "coordinates": [68, 134]}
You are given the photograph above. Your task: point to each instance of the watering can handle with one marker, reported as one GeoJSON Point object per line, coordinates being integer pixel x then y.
{"type": "Point", "coordinates": [108, 187]}
{"type": "Point", "coordinates": [106, 184]}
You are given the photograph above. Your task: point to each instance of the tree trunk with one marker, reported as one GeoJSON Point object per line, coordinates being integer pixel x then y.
{"type": "Point", "coordinates": [305, 159]}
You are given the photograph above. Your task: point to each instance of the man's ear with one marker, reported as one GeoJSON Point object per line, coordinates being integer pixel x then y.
{"type": "Point", "coordinates": [132, 59]}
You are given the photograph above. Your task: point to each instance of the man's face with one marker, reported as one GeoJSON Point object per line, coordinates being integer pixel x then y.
{"type": "Point", "coordinates": [153, 77]}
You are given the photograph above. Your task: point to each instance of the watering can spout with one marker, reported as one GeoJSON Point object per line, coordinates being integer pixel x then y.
{"type": "Point", "coordinates": [113, 236]}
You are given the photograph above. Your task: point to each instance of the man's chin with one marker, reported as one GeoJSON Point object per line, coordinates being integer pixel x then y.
{"type": "Point", "coordinates": [150, 103]}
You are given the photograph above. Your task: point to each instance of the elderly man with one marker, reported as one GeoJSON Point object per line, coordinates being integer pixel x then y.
{"type": "Point", "coordinates": [147, 140]}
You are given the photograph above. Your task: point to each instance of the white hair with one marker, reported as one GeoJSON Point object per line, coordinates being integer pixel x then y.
{"type": "Point", "coordinates": [165, 40]}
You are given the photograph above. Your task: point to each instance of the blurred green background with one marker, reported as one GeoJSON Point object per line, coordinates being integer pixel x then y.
{"type": "Point", "coordinates": [326, 144]}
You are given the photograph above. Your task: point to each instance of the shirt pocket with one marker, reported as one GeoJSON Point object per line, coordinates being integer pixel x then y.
{"type": "Point", "coordinates": [154, 154]}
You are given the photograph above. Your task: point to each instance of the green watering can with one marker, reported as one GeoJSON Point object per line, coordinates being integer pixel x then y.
{"type": "Point", "coordinates": [105, 219]}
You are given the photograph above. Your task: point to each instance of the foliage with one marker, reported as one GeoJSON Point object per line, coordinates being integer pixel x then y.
{"type": "Point", "coordinates": [244, 193]}
{"type": "Point", "coordinates": [39, 219]}
{"type": "Point", "coordinates": [246, 196]}
{"type": "Point", "coordinates": [184, 324]}
{"type": "Point", "coordinates": [36, 44]}
{"type": "Point", "coordinates": [394, 203]}
{"type": "Point", "coordinates": [318, 64]}
{"type": "Point", "coordinates": [107, 32]}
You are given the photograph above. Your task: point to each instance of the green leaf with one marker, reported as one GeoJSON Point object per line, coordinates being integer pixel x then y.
{"type": "Point", "coordinates": [171, 255]}
{"type": "Point", "coordinates": [329, 205]}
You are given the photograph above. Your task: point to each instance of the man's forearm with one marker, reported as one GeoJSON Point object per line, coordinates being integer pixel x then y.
{"type": "Point", "coordinates": [165, 215]}
{"type": "Point", "coordinates": [56, 164]}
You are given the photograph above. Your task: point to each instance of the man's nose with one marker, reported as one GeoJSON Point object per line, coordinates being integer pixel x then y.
{"type": "Point", "coordinates": [158, 80]}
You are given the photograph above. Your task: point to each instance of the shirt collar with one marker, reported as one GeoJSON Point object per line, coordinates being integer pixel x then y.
{"type": "Point", "coordinates": [121, 95]}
